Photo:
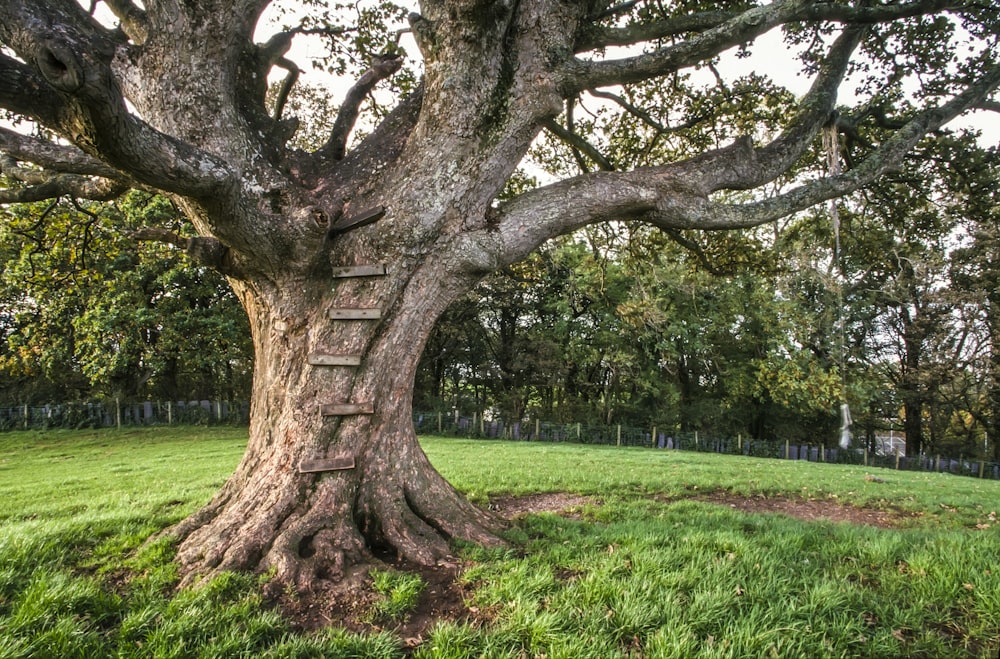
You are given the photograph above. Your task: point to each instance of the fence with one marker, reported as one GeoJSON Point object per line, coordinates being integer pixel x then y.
{"type": "Point", "coordinates": [477, 427]}
{"type": "Point", "coordinates": [115, 413]}
{"type": "Point", "coordinates": [108, 414]}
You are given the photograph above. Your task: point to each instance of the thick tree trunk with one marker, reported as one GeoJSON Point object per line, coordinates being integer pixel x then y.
{"type": "Point", "coordinates": [377, 492]}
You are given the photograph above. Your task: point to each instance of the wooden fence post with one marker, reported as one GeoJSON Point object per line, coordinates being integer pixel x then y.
{"type": "Point", "coordinates": [937, 463]}
{"type": "Point", "coordinates": [538, 429]}
{"type": "Point", "coordinates": [170, 413]}
{"type": "Point", "coordinates": [439, 423]}
{"type": "Point", "coordinates": [654, 436]}
{"type": "Point", "coordinates": [696, 440]}
{"type": "Point", "coordinates": [788, 453]}
{"type": "Point", "coordinates": [118, 413]}
{"type": "Point", "coordinates": [896, 449]}
{"type": "Point", "coordinates": [982, 467]}
{"type": "Point", "coordinates": [619, 440]}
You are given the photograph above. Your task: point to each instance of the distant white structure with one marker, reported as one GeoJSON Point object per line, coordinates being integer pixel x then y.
{"type": "Point", "coordinates": [890, 444]}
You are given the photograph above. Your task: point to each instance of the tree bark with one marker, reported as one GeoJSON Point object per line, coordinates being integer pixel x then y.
{"type": "Point", "coordinates": [306, 527]}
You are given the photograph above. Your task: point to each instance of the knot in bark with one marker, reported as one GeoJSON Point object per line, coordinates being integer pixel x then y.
{"type": "Point", "coordinates": [59, 66]}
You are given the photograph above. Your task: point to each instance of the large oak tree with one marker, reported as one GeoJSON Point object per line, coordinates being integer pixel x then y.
{"type": "Point", "coordinates": [345, 255]}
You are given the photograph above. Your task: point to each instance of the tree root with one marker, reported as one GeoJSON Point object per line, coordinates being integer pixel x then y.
{"type": "Point", "coordinates": [331, 530]}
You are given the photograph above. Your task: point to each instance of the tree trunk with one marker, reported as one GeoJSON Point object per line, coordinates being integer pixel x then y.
{"type": "Point", "coordinates": [378, 492]}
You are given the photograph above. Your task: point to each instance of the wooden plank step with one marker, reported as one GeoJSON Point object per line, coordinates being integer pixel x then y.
{"type": "Point", "coordinates": [318, 359]}
{"type": "Point", "coordinates": [359, 219]}
{"type": "Point", "coordinates": [326, 464]}
{"type": "Point", "coordinates": [372, 270]}
{"type": "Point", "coordinates": [347, 409]}
{"type": "Point", "coordinates": [355, 314]}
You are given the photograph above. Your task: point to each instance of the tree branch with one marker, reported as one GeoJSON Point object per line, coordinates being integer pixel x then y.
{"type": "Point", "coordinates": [75, 61]}
{"type": "Point", "coordinates": [206, 251]}
{"type": "Point", "coordinates": [132, 18]}
{"type": "Point", "coordinates": [886, 158]}
{"type": "Point", "coordinates": [51, 156]}
{"type": "Point", "coordinates": [603, 37]}
{"type": "Point", "coordinates": [577, 142]}
{"type": "Point", "coordinates": [991, 106]}
{"type": "Point", "coordinates": [25, 92]}
{"type": "Point", "coordinates": [739, 29]}
{"type": "Point", "coordinates": [675, 196]}
{"type": "Point", "coordinates": [336, 145]}
{"type": "Point", "coordinates": [813, 112]}
{"type": "Point", "coordinates": [41, 185]}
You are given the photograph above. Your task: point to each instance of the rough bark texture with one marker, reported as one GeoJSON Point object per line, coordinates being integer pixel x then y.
{"type": "Point", "coordinates": [174, 99]}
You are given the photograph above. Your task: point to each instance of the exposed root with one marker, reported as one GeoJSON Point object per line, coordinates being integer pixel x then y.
{"type": "Point", "coordinates": [335, 528]}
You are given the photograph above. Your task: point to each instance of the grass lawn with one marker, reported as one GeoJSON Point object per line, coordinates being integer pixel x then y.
{"type": "Point", "coordinates": [652, 556]}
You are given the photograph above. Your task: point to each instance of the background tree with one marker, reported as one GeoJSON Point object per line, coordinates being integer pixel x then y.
{"type": "Point", "coordinates": [93, 314]}
{"type": "Point", "coordinates": [174, 97]}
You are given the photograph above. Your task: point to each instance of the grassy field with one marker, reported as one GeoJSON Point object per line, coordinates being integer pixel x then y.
{"type": "Point", "coordinates": [652, 563]}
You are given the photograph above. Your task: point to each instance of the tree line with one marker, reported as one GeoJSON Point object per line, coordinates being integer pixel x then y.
{"type": "Point", "coordinates": [760, 332]}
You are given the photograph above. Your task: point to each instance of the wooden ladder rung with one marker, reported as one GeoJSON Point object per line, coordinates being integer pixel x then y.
{"type": "Point", "coordinates": [326, 464]}
{"type": "Point", "coordinates": [374, 270]}
{"type": "Point", "coordinates": [347, 409]}
{"type": "Point", "coordinates": [319, 359]}
{"type": "Point", "coordinates": [355, 314]}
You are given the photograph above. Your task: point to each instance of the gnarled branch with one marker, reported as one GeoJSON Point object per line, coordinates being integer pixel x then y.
{"type": "Point", "coordinates": [51, 156]}
{"type": "Point", "coordinates": [336, 146]}
{"type": "Point", "coordinates": [676, 196]}
{"type": "Point", "coordinates": [91, 111]}
{"type": "Point", "coordinates": [41, 185]}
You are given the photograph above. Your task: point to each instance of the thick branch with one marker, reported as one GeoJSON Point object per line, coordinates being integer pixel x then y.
{"type": "Point", "coordinates": [51, 156]}
{"type": "Point", "coordinates": [886, 158]}
{"type": "Point", "coordinates": [674, 196]}
{"type": "Point", "coordinates": [813, 112]}
{"type": "Point", "coordinates": [739, 29]}
{"type": "Point", "coordinates": [75, 60]}
{"type": "Point", "coordinates": [336, 145]}
{"type": "Point", "coordinates": [25, 92]}
{"type": "Point", "coordinates": [604, 37]}
{"type": "Point", "coordinates": [41, 185]}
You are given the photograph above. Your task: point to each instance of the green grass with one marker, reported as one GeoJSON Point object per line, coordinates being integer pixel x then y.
{"type": "Point", "coordinates": [646, 570]}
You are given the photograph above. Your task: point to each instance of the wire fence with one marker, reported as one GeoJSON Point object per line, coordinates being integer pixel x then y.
{"type": "Point", "coordinates": [116, 413]}
{"type": "Point", "coordinates": [618, 435]}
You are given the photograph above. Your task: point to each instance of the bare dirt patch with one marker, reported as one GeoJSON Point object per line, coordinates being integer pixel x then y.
{"type": "Point", "coordinates": [560, 503]}
{"type": "Point", "coordinates": [349, 604]}
{"type": "Point", "coordinates": [810, 509]}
